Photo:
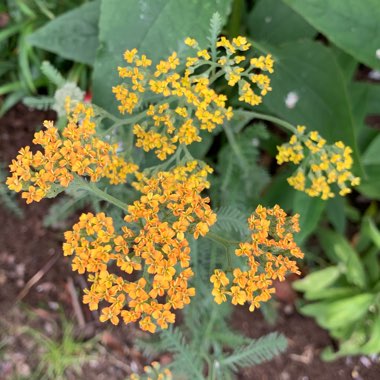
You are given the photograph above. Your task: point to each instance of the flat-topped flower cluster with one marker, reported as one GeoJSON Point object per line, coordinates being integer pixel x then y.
{"type": "Point", "coordinates": [75, 151]}
{"type": "Point", "coordinates": [268, 257]}
{"type": "Point", "coordinates": [152, 249]}
{"type": "Point", "coordinates": [188, 102]}
{"type": "Point", "coordinates": [319, 165]}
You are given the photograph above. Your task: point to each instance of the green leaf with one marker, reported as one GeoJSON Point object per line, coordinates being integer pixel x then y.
{"type": "Point", "coordinates": [310, 210]}
{"type": "Point", "coordinates": [372, 265]}
{"type": "Point", "coordinates": [340, 250]}
{"type": "Point", "coordinates": [352, 25]}
{"type": "Point", "coordinates": [73, 35]}
{"type": "Point", "coordinates": [309, 70]}
{"type": "Point", "coordinates": [335, 210]}
{"type": "Point", "coordinates": [339, 313]}
{"type": "Point", "coordinates": [331, 294]}
{"type": "Point", "coordinates": [155, 28]}
{"type": "Point", "coordinates": [371, 161]}
{"type": "Point", "coordinates": [52, 74]}
{"type": "Point", "coordinates": [350, 346]}
{"type": "Point", "coordinates": [258, 351]}
{"type": "Point", "coordinates": [241, 178]}
{"type": "Point", "coordinates": [370, 228]}
{"type": "Point", "coordinates": [371, 155]}
{"type": "Point", "coordinates": [373, 344]}
{"type": "Point", "coordinates": [231, 219]}
{"type": "Point", "coordinates": [373, 98]}
{"type": "Point", "coordinates": [270, 21]}
{"type": "Point", "coordinates": [347, 63]}
{"type": "Point", "coordinates": [318, 280]}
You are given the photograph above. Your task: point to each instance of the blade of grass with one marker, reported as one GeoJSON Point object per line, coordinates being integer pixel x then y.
{"type": "Point", "coordinates": [23, 59]}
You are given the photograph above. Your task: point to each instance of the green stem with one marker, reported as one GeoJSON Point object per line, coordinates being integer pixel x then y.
{"type": "Point", "coordinates": [92, 188]}
{"type": "Point", "coordinates": [119, 122]}
{"type": "Point", "coordinates": [290, 127]}
{"type": "Point", "coordinates": [214, 77]}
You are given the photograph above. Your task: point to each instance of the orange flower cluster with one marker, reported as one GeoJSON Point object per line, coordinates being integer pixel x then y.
{"type": "Point", "coordinates": [153, 372]}
{"type": "Point", "coordinates": [194, 104]}
{"type": "Point", "coordinates": [268, 257]}
{"type": "Point", "coordinates": [77, 151]}
{"type": "Point", "coordinates": [235, 74]}
{"type": "Point", "coordinates": [321, 166]}
{"type": "Point", "coordinates": [152, 242]}
{"type": "Point", "coordinates": [190, 104]}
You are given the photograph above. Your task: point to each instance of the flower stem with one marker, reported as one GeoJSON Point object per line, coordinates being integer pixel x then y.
{"type": "Point", "coordinates": [290, 127]}
{"type": "Point", "coordinates": [80, 183]}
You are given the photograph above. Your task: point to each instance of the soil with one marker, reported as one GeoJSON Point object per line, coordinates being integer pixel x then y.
{"type": "Point", "coordinates": [35, 279]}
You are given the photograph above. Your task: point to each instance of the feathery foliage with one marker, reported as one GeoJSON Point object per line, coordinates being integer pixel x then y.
{"type": "Point", "coordinates": [52, 74]}
{"type": "Point", "coordinates": [256, 352]}
{"type": "Point", "coordinates": [241, 181]}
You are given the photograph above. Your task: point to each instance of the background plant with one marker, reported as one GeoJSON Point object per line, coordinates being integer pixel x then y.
{"type": "Point", "coordinates": [20, 62]}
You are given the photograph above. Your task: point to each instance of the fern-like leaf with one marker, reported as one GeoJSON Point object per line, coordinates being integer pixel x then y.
{"type": "Point", "coordinates": [216, 24]}
{"type": "Point", "coordinates": [241, 182]}
{"type": "Point", "coordinates": [40, 103]}
{"type": "Point", "coordinates": [231, 219]}
{"type": "Point", "coordinates": [52, 74]}
{"type": "Point", "coordinates": [258, 351]}
{"type": "Point", "coordinates": [186, 360]}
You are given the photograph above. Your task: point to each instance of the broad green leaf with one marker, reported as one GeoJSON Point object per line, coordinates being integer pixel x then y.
{"type": "Point", "coordinates": [371, 156]}
{"type": "Point", "coordinates": [371, 160]}
{"type": "Point", "coordinates": [318, 280]}
{"type": "Point", "coordinates": [308, 70]}
{"type": "Point", "coordinates": [347, 63]}
{"type": "Point", "coordinates": [351, 24]}
{"type": "Point", "coordinates": [371, 186]}
{"type": "Point", "coordinates": [330, 294]}
{"type": "Point", "coordinates": [370, 228]}
{"type": "Point", "coordinates": [73, 35]}
{"type": "Point", "coordinates": [358, 96]}
{"type": "Point", "coordinates": [341, 251]}
{"type": "Point", "coordinates": [338, 313]}
{"type": "Point", "coordinates": [155, 28]}
{"type": "Point", "coordinates": [336, 214]}
{"type": "Point", "coordinates": [350, 346]}
{"type": "Point", "coordinates": [275, 22]}
{"type": "Point", "coordinates": [372, 265]}
{"type": "Point", "coordinates": [373, 98]}
{"type": "Point", "coordinates": [373, 344]}
{"type": "Point", "coordinates": [310, 210]}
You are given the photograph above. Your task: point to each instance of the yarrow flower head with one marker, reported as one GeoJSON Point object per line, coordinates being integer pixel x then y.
{"type": "Point", "coordinates": [153, 372]}
{"type": "Point", "coordinates": [152, 242]}
{"type": "Point", "coordinates": [189, 103]}
{"type": "Point", "coordinates": [321, 165]}
{"type": "Point", "coordinates": [74, 151]}
{"type": "Point", "coordinates": [268, 256]}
